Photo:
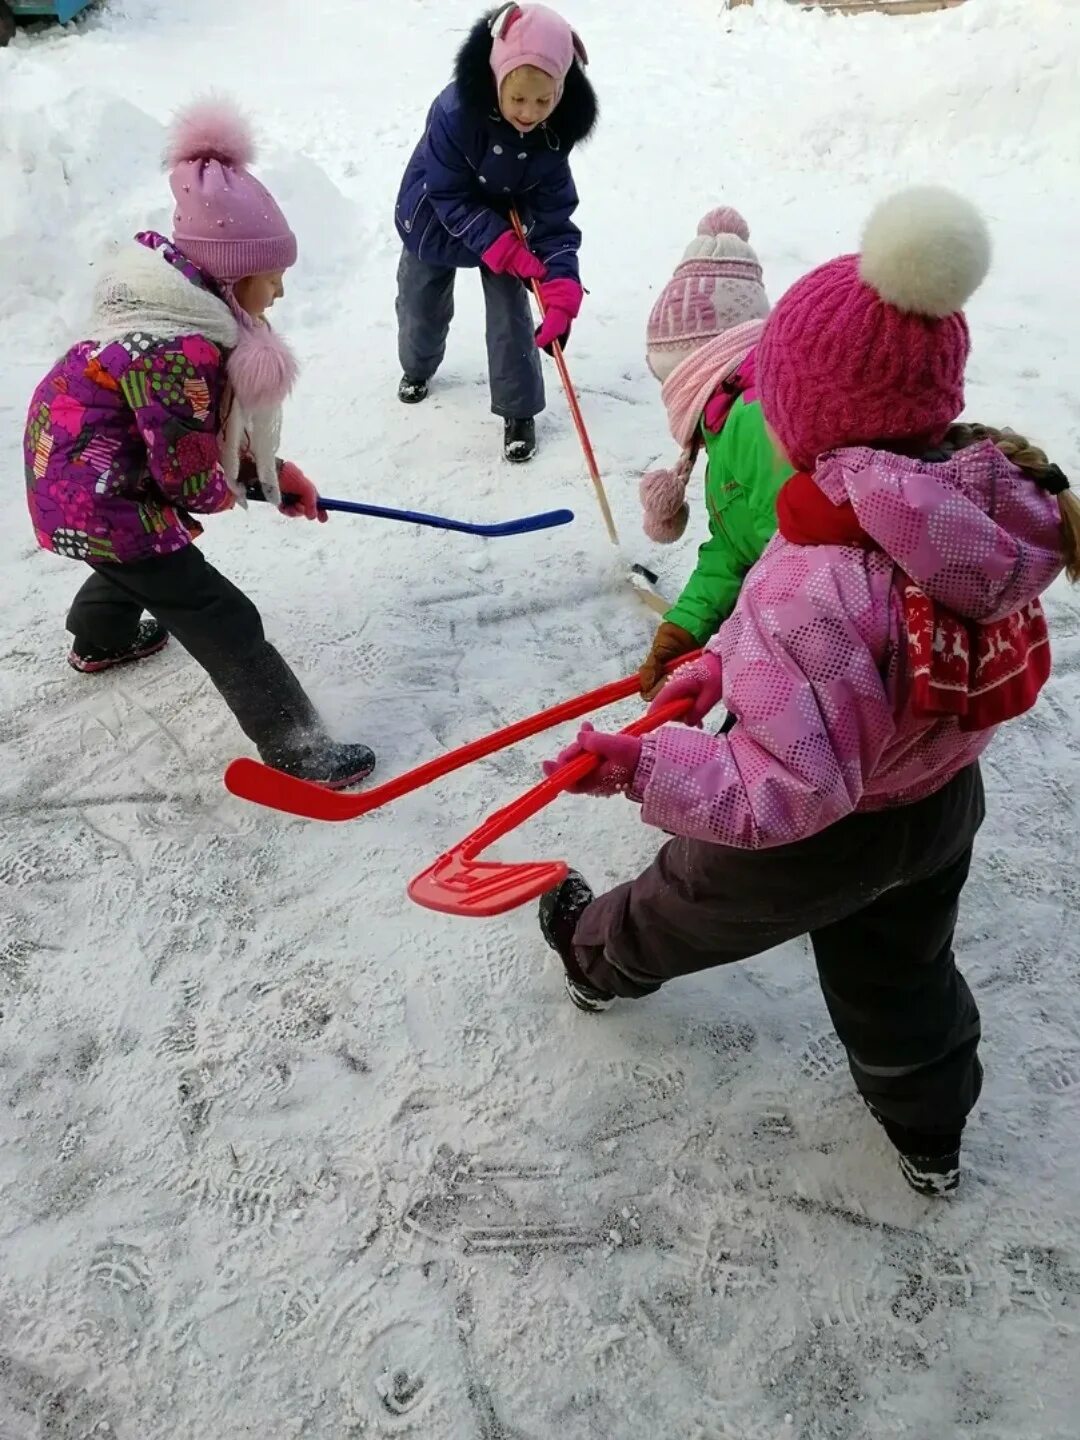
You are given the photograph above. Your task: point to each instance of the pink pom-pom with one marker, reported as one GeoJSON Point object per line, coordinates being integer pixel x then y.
{"type": "Point", "coordinates": [663, 498]}
{"type": "Point", "coordinates": [262, 369]}
{"type": "Point", "coordinates": [724, 221]}
{"type": "Point", "coordinates": [666, 531]}
{"type": "Point", "coordinates": [211, 129]}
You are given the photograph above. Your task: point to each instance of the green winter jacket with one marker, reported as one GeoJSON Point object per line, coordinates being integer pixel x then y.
{"type": "Point", "coordinates": [741, 482]}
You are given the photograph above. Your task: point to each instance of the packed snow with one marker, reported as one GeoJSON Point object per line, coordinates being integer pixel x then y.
{"type": "Point", "coordinates": [283, 1155]}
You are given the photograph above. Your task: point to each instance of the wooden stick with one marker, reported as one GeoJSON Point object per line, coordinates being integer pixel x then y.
{"type": "Point", "coordinates": [572, 401]}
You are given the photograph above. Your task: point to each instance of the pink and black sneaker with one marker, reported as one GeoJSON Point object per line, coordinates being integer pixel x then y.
{"type": "Point", "coordinates": [90, 659]}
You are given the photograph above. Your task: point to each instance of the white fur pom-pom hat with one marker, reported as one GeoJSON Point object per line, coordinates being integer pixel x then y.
{"type": "Point", "coordinates": [872, 348]}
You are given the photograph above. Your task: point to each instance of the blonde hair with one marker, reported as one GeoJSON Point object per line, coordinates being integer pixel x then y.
{"type": "Point", "coordinates": [1035, 464]}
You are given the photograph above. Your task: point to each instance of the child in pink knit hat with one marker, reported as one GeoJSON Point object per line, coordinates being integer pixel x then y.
{"type": "Point", "coordinates": [890, 626]}
{"type": "Point", "coordinates": [498, 139]}
{"type": "Point", "coordinates": [171, 408]}
{"type": "Point", "coordinates": [700, 343]}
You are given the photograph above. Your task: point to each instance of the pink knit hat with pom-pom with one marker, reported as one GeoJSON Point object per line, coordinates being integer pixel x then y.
{"type": "Point", "coordinates": [226, 221]}
{"type": "Point", "coordinates": [871, 348]}
{"type": "Point", "coordinates": [716, 286]}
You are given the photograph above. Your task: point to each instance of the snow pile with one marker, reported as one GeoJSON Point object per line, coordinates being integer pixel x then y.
{"type": "Point", "coordinates": [281, 1153]}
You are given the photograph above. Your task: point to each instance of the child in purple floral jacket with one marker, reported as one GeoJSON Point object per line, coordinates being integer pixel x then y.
{"type": "Point", "coordinates": [172, 408]}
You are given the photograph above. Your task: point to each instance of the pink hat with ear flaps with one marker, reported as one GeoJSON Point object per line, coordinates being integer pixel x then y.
{"type": "Point", "coordinates": [533, 35]}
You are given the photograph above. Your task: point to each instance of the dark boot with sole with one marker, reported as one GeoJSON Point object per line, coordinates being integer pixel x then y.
{"type": "Point", "coordinates": [333, 764]}
{"type": "Point", "coordinates": [410, 391]}
{"type": "Point", "coordinates": [929, 1163]}
{"type": "Point", "coordinates": [519, 441]}
{"type": "Point", "coordinates": [560, 911]}
{"type": "Point", "coordinates": [91, 659]}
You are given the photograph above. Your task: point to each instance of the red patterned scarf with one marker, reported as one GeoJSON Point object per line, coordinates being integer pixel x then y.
{"type": "Point", "coordinates": [982, 674]}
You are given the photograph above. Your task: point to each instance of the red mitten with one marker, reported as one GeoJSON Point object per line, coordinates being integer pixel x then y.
{"type": "Point", "coordinates": [298, 494]}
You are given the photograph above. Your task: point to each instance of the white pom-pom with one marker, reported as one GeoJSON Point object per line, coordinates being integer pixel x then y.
{"type": "Point", "coordinates": [212, 129]}
{"type": "Point", "coordinates": [926, 251]}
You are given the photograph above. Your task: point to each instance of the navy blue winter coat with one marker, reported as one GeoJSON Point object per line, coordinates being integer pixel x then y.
{"type": "Point", "coordinates": [472, 165]}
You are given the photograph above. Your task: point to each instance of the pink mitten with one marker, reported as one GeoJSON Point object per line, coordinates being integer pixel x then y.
{"type": "Point", "coordinates": [300, 492]}
{"type": "Point", "coordinates": [562, 304]}
{"type": "Point", "coordinates": [508, 256]}
{"type": "Point", "coordinates": [619, 756]}
{"type": "Point", "coordinates": [702, 682]}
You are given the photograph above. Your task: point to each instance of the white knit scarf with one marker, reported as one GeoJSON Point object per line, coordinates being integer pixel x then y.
{"type": "Point", "coordinates": [140, 293]}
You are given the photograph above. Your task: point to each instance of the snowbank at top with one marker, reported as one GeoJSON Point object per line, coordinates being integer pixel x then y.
{"type": "Point", "coordinates": [986, 89]}
{"type": "Point", "coordinates": [802, 109]}
{"type": "Point", "coordinates": [83, 173]}
{"type": "Point", "coordinates": [994, 77]}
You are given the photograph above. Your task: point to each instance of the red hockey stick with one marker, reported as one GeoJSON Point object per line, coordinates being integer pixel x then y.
{"type": "Point", "coordinates": [251, 780]}
{"type": "Point", "coordinates": [461, 884]}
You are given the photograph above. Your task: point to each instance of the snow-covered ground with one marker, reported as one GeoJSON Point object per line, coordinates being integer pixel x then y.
{"type": "Point", "coordinates": [282, 1155]}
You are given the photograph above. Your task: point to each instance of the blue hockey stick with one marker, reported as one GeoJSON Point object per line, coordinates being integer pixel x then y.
{"type": "Point", "coordinates": [525, 526]}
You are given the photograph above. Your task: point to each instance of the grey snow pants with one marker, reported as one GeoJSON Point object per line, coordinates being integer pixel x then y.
{"type": "Point", "coordinates": [425, 308]}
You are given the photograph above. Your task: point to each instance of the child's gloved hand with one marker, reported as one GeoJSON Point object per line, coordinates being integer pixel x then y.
{"type": "Point", "coordinates": [562, 304]}
{"type": "Point", "coordinates": [702, 683]}
{"type": "Point", "coordinates": [669, 642]}
{"type": "Point", "coordinates": [298, 494]}
{"type": "Point", "coordinates": [508, 256]}
{"type": "Point", "coordinates": [619, 756]}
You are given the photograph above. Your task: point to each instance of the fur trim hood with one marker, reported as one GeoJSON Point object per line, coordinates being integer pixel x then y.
{"type": "Point", "coordinates": [573, 119]}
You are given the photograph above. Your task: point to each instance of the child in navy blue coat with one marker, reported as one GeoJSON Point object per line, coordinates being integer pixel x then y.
{"type": "Point", "coordinates": [498, 137]}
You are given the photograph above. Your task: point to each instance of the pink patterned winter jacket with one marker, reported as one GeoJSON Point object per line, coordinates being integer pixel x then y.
{"type": "Point", "coordinates": [815, 663]}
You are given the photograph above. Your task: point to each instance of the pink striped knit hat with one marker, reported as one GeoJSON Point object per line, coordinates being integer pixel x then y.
{"type": "Point", "coordinates": [716, 286]}
{"type": "Point", "coordinates": [226, 221]}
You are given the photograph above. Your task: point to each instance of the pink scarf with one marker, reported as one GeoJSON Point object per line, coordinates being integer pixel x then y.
{"type": "Point", "coordinates": [690, 385]}
{"type": "Point", "coordinates": [686, 394]}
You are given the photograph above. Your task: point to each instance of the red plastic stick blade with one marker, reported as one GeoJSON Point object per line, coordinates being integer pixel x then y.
{"type": "Point", "coordinates": [461, 884]}
{"type": "Point", "coordinates": [483, 888]}
{"type": "Point", "coordinates": [249, 779]}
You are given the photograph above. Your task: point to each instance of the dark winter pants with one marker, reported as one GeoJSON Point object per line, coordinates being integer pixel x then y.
{"type": "Point", "coordinates": [216, 624]}
{"type": "Point", "coordinates": [878, 894]}
{"type": "Point", "coordinates": [425, 307]}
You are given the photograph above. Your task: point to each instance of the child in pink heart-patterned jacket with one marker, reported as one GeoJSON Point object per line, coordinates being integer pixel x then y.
{"type": "Point", "coordinates": [172, 408]}
{"type": "Point", "coordinates": [888, 628]}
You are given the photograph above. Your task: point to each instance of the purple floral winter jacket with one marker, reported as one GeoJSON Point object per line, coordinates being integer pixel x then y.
{"type": "Point", "coordinates": [122, 438]}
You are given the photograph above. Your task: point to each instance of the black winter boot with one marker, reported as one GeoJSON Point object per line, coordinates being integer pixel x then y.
{"type": "Point", "coordinates": [333, 764]}
{"type": "Point", "coordinates": [519, 441]}
{"type": "Point", "coordinates": [560, 911]}
{"type": "Point", "coordinates": [90, 659]}
{"type": "Point", "coordinates": [929, 1163]}
{"type": "Point", "coordinates": [410, 391]}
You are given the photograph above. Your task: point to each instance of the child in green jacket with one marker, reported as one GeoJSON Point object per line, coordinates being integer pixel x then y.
{"type": "Point", "coordinates": [701, 339]}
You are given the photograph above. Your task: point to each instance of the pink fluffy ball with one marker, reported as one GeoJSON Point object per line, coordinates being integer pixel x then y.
{"type": "Point", "coordinates": [724, 221]}
{"type": "Point", "coordinates": [663, 498]}
{"type": "Point", "coordinates": [211, 129]}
